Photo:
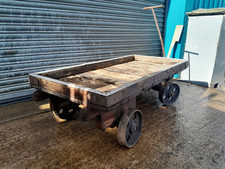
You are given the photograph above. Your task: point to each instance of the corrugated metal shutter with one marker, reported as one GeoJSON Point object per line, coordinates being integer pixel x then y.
{"type": "Point", "coordinates": [37, 35]}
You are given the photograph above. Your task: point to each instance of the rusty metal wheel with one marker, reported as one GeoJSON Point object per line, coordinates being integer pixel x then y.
{"type": "Point", "coordinates": [129, 128]}
{"type": "Point", "coordinates": [63, 109]}
{"type": "Point", "coordinates": [169, 93]}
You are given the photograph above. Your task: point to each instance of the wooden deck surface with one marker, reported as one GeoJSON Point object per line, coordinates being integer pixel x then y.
{"type": "Point", "coordinates": [109, 78]}
{"type": "Point", "coordinates": [108, 82]}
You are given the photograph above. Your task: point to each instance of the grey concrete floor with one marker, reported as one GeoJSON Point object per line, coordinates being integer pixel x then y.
{"type": "Point", "coordinates": [188, 134]}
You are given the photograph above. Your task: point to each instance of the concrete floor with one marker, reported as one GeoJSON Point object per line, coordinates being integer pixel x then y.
{"type": "Point", "coordinates": [189, 134]}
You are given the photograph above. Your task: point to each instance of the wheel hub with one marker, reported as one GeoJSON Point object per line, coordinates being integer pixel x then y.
{"type": "Point", "coordinates": [60, 111]}
{"type": "Point", "coordinates": [133, 128]}
{"type": "Point", "coordinates": [171, 94]}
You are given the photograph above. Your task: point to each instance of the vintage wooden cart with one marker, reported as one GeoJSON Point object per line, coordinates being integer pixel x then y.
{"type": "Point", "coordinates": [108, 90]}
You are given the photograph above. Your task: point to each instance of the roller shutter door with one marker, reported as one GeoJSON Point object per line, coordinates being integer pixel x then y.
{"type": "Point", "coordinates": [37, 35]}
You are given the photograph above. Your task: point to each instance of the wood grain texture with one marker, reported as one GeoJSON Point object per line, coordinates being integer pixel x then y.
{"type": "Point", "coordinates": [106, 85]}
{"type": "Point", "coordinates": [66, 71]}
{"type": "Point", "coordinates": [109, 78]}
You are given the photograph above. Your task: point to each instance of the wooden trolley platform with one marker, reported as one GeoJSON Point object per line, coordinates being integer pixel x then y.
{"type": "Point", "coordinates": [108, 90]}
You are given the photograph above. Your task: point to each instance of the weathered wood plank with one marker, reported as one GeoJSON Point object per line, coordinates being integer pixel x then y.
{"type": "Point", "coordinates": [150, 68]}
{"type": "Point", "coordinates": [106, 78]}
{"type": "Point", "coordinates": [150, 71]}
{"type": "Point", "coordinates": [107, 88]}
{"type": "Point", "coordinates": [66, 71]}
{"type": "Point", "coordinates": [159, 60]}
{"type": "Point", "coordinates": [115, 75]}
{"type": "Point", "coordinates": [128, 71]}
{"type": "Point", "coordinates": [95, 81]}
{"type": "Point", "coordinates": [89, 81]}
{"type": "Point", "coordinates": [77, 94]}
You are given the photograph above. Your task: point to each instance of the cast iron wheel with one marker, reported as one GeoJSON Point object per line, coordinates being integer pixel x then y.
{"type": "Point", "coordinates": [65, 110]}
{"type": "Point", "coordinates": [169, 93]}
{"type": "Point", "coordinates": [129, 128]}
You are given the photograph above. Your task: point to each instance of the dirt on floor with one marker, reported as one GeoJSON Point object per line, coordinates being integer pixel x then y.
{"type": "Point", "coordinates": [188, 134]}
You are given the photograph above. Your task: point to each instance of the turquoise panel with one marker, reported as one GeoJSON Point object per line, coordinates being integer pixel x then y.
{"type": "Point", "coordinates": [177, 16]}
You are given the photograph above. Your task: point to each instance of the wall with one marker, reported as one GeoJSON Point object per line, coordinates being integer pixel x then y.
{"type": "Point", "coordinates": [176, 15]}
{"type": "Point", "coordinates": [208, 4]}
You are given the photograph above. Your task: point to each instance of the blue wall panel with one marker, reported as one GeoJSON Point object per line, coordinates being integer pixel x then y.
{"type": "Point", "coordinates": [208, 4]}
{"type": "Point", "coordinates": [176, 11]}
